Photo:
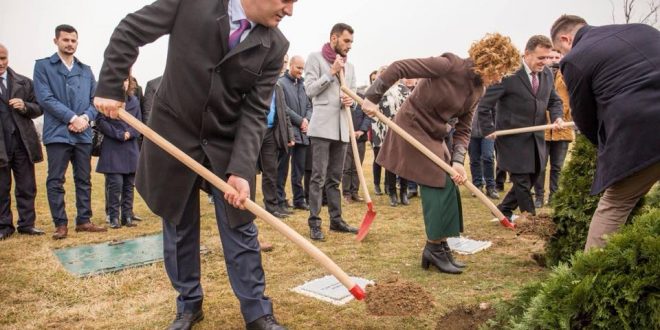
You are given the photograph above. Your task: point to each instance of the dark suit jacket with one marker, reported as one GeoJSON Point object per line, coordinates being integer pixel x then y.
{"type": "Point", "coordinates": [210, 98]}
{"type": "Point", "coordinates": [299, 105]}
{"type": "Point", "coordinates": [448, 88]}
{"type": "Point", "coordinates": [513, 105]}
{"type": "Point", "coordinates": [148, 99]}
{"type": "Point", "coordinates": [613, 78]}
{"type": "Point", "coordinates": [119, 155]}
{"type": "Point", "coordinates": [21, 87]}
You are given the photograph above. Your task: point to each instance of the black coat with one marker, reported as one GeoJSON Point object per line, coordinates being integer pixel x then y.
{"type": "Point", "coordinates": [613, 78]}
{"type": "Point", "coordinates": [21, 87]}
{"type": "Point", "coordinates": [148, 99]}
{"type": "Point", "coordinates": [513, 105]}
{"type": "Point", "coordinates": [212, 103]}
{"type": "Point", "coordinates": [119, 155]}
{"type": "Point", "coordinates": [299, 105]}
{"type": "Point", "coordinates": [283, 129]}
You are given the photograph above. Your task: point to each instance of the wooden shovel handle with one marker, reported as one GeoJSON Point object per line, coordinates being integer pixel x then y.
{"type": "Point", "coordinates": [428, 153]}
{"type": "Point", "coordinates": [531, 129]}
{"type": "Point", "coordinates": [285, 230]}
{"type": "Point", "coordinates": [356, 155]}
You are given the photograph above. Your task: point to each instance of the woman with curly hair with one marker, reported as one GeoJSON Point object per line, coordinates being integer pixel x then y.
{"type": "Point", "coordinates": [449, 87]}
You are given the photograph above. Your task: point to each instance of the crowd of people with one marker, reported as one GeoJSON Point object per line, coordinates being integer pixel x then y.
{"type": "Point", "coordinates": [288, 117]}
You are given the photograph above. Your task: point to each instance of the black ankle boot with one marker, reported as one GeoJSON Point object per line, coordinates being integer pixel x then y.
{"type": "Point", "coordinates": [377, 190]}
{"type": "Point", "coordinates": [114, 223]}
{"type": "Point", "coordinates": [128, 222]}
{"type": "Point", "coordinates": [453, 261]}
{"type": "Point", "coordinates": [394, 199]}
{"type": "Point", "coordinates": [434, 254]}
{"type": "Point", "coordinates": [404, 197]}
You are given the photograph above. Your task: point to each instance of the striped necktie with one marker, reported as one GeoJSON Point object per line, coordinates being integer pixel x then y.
{"type": "Point", "coordinates": [235, 37]}
{"type": "Point", "coordinates": [3, 89]}
{"type": "Point", "coordinates": [535, 83]}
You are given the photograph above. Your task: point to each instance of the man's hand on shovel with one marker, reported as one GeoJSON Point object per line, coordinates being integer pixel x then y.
{"type": "Point", "coordinates": [241, 191]}
{"type": "Point", "coordinates": [108, 107]}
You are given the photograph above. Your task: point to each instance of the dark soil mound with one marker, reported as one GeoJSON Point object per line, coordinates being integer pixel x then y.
{"type": "Point", "coordinates": [394, 297]}
{"type": "Point", "coordinates": [537, 225]}
{"type": "Point", "coordinates": [465, 318]}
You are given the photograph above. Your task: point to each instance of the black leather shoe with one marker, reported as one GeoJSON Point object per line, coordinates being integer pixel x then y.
{"type": "Point", "coordinates": [394, 200]}
{"type": "Point", "coordinates": [316, 234]}
{"type": "Point", "coordinates": [342, 227]}
{"type": "Point", "coordinates": [285, 210]}
{"type": "Point", "coordinates": [128, 222]}
{"type": "Point", "coordinates": [404, 197]}
{"type": "Point", "coordinates": [492, 193]}
{"type": "Point", "coordinates": [303, 207]}
{"type": "Point", "coordinates": [30, 231]}
{"type": "Point", "coordinates": [6, 235]}
{"type": "Point", "coordinates": [185, 321]}
{"type": "Point", "coordinates": [538, 203]}
{"type": "Point", "coordinates": [114, 223]}
{"type": "Point", "coordinates": [378, 191]}
{"type": "Point", "coordinates": [266, 322]}
{"type": "Point", "coordinates": [279, 214]}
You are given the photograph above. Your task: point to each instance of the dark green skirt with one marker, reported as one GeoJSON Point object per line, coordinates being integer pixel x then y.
{"type": "Point", "coordinates": [443, 214]}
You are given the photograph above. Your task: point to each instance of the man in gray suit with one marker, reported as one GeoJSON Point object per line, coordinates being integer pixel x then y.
{"type": "Point", "coordinates": [328, 128]}
{"type": "Point", "coordinates": [223, 60]}
{"type": "Point", "coordinates": [521, 100]}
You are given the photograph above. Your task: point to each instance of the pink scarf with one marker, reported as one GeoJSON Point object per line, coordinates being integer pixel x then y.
{"type": "Point", "coordinates": [329, 54]}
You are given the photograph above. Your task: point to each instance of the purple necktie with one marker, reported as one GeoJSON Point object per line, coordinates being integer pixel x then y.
{"type": "Point", "coordinates": [535, 83]}
{"type": "Point", "coordinates": [235, 37]}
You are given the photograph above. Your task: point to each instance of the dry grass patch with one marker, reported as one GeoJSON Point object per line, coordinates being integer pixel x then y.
{"type": "Point", "coordinates": [37, 293]}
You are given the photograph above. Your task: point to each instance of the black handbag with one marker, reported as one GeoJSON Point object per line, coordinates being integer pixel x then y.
{"type": "Point", "coordinates": [97, 140]}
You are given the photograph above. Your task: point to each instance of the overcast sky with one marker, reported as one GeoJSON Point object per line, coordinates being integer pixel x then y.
{"type": "Point", "coordinates": [385, 30]}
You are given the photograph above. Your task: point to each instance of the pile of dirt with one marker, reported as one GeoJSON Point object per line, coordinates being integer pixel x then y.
{"type": "Point", "coordinates": [465, 318]}
{"type": "Point", "coordinates": [537, 225]}
{"type": "Point", "coordinates": [394, 297]}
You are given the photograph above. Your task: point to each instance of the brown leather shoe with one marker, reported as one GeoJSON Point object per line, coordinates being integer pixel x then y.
{"type": "Point", "coordinates": [60, 232]}
{"type": "Point", "coordinates": [90, 227]}
{"type": "Point", "coordinates": [348, 199]}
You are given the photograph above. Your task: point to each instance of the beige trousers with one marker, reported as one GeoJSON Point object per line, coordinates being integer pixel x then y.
{"type": "Point", "coordinates": [617, 203]}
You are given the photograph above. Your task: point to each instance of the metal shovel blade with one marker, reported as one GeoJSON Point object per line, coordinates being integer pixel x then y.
{"type": "Point", "coordinates": [366, 222]}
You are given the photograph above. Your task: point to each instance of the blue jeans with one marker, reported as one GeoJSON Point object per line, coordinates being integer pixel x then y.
{"type": "Point", "coordinates": [482, 154]}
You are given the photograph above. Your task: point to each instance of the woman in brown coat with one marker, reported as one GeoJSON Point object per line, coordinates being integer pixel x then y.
{"type": "Point", "coordinates": [450, 87]}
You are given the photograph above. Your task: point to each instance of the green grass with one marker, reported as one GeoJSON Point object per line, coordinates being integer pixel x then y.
{"type": "Point", "coordinates": [37, 293]}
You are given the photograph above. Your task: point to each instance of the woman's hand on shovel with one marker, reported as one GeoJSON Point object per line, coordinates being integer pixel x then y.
{"type": "Point", "coordinates": [242, 192]}
{"type": "Point", "coordinates": [460, 176]}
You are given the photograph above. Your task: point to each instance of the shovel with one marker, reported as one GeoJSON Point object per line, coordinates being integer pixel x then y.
{"type": "Point", "coordinates": [531, 129]}
{"type": "Point", "coordinates": [371, 214]}
{"type": "Point", "coordinates": [504, 221]}
{"type": "Point", "coordinates": [274, 222]}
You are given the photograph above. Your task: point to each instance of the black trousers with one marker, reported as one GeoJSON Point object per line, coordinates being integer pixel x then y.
{"type": "Point", "coordinates": [240, 249]}
{"type": "Point", "coordinates": [59, 156]}
{"type": "Point", "coordinates": [119, 190]}
{"type": "Point", "coordinates": [350, 181]}
{"type": "Point", "coordinates": [298, 174]}
{"type": "Point", "coordinates": [25, 190]}
{"type": "Point", "coordinates": [377, 169]}
{"type": "Point", "coordinates": [268, 159]}
{"type": "Point", "coordinates": [555, 152]}
{"type": "Point", "coordinates": [390, 182]}
{"type": "Point", "coordinates": [520, 195]}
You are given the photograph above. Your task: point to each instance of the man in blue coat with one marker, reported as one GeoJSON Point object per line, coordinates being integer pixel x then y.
{"type": "Point", "coordinates": [613, 81]}
{"type": "Point", "coordinates": [64, 88]}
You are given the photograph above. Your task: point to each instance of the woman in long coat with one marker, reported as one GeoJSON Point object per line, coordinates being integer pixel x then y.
{"type": "Point", "coordinates": [118, 160]}
{"type": "Point", "coordinates": [449, 87]}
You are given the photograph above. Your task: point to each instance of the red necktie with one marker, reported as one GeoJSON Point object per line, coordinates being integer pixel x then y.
{"type": "Point", "coordinates": [535, 83]}
{"type": "Point", "coordinates": [235, 37]}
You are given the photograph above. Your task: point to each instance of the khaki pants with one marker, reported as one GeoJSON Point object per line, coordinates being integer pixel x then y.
{"type": "Point", "coordinates": [617, 203]}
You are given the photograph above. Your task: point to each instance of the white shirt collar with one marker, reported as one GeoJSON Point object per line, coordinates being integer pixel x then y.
{"type": "Point", "coordinates": [4, 75]}
{"type": "Point", "coordinates": [237, 13]}
{"type": "Point", "coordinates": [527, 69]}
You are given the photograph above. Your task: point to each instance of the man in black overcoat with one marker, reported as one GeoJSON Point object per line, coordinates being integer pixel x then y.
{"type": "Point", "coordinates": [223, 60]}
{"type": "Point", "coordinates": [613, 77]}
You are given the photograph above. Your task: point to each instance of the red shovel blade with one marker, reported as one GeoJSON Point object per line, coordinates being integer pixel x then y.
{"type": "Point", "coordinates": [508, 224]}
{"type": "Point", "coordinates": [366, 222]}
